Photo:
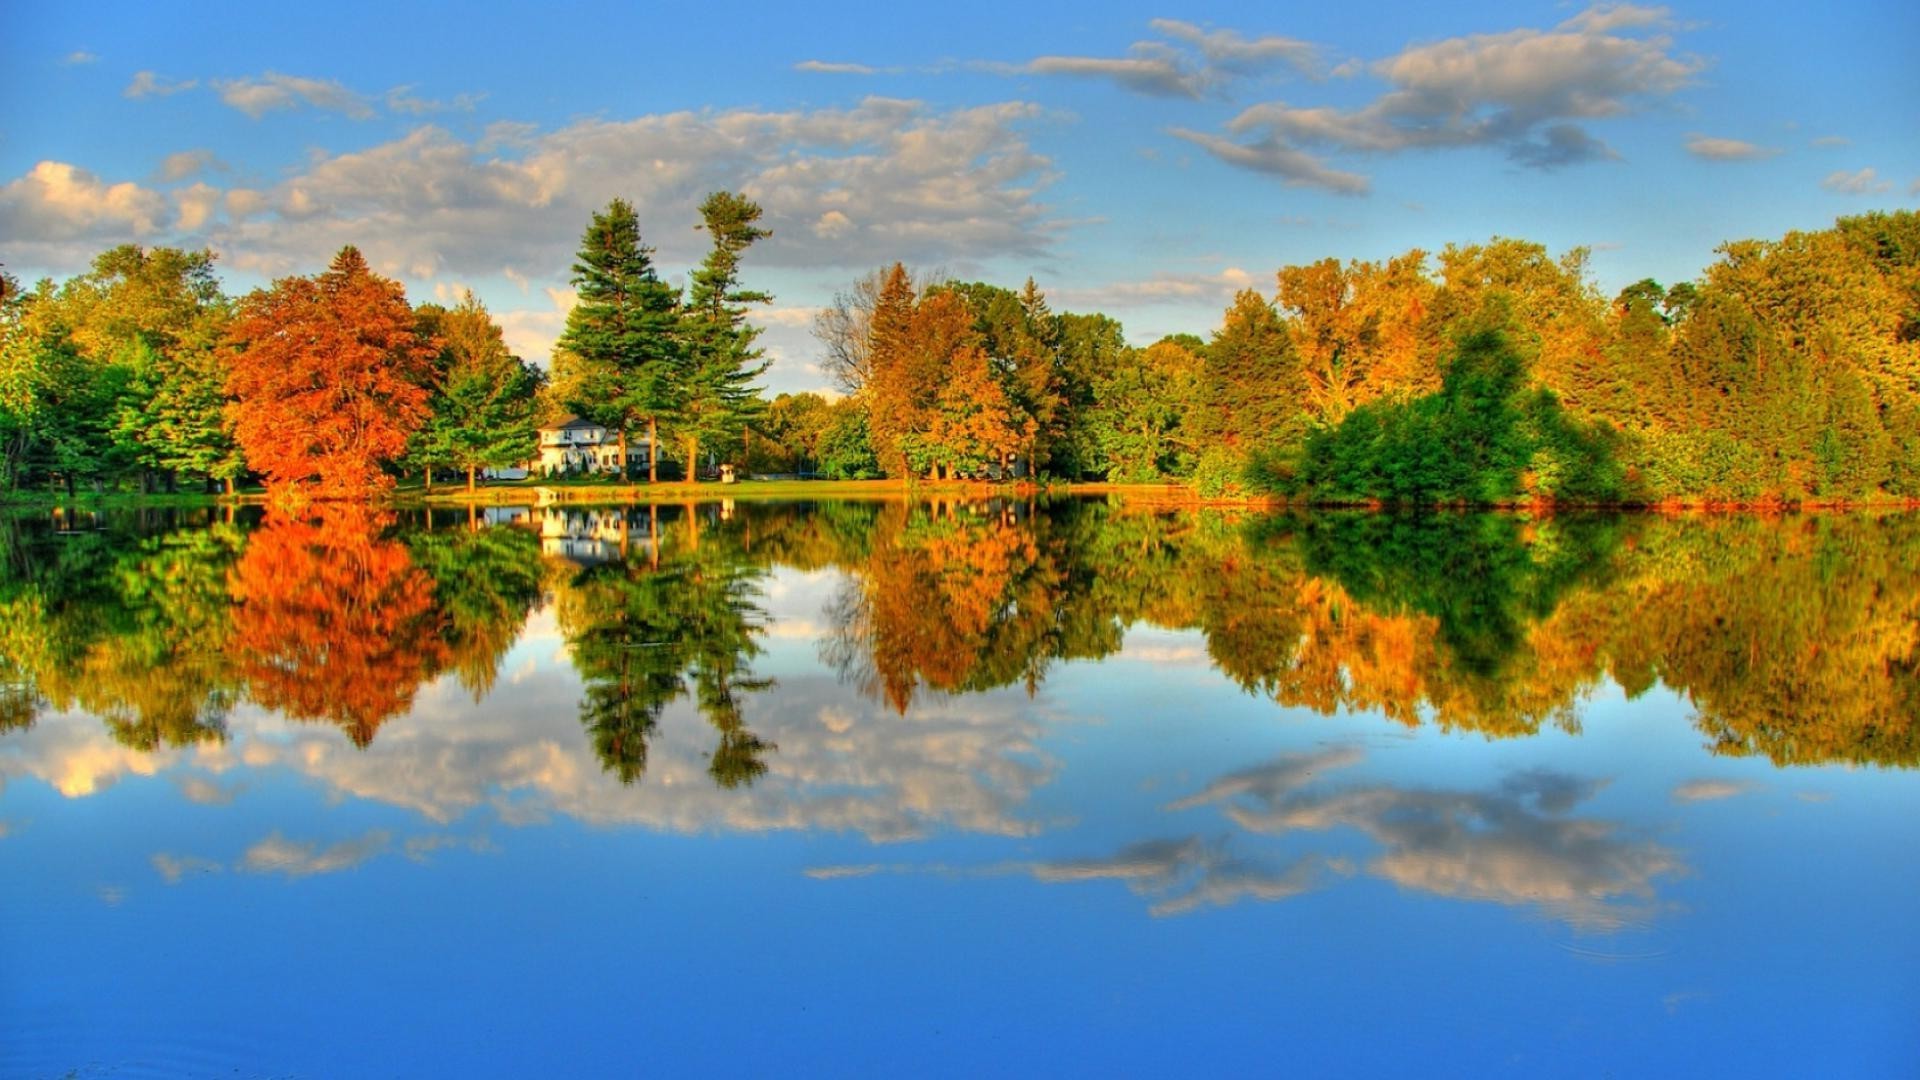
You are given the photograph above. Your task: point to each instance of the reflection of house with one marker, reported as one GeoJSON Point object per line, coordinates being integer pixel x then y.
{"type": "Point", "coordinates": [576, 444]}
{"type": "Point", "coordinates": [590, 536]}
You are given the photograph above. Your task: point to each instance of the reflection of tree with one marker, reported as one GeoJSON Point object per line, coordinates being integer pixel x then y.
{"type": "Point", "coordinates": [130, 629]}
{"type": "Point", "coordinates": [485, 581]}
{"type": "Point", "coordinates": [636, 631]}
{"type": "Point", "coordinates": [1795, 638]}
{"type": "Point", "coordinates": [1798, 639]}
{"type": "Point", "coordinates": [964, 598]}
{"type": "Point", "coordinates": [333, 621]}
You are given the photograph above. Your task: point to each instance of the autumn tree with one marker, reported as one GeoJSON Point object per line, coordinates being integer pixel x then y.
{"type": "Point", "coordinates": [329, 379]}
{"type": "Point", "coordinates": [716, 398]}
{"type": "Point", "coordinates": [899, 389]}
{"type": "Point", "coordinates": [623, 332]}
{"type": "Point", "coordinates": [1359, 329]}
{"type": "Point", "coordinates": [483, 409]}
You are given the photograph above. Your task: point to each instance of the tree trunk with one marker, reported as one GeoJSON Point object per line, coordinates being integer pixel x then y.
{"type": "Point", "coordinates": [473, 517]}
{"type": "Point", "coordinates": [653, 535]}
{"type": "Point", "coordinates": [653, 449]}
{"type": "Point", "coordinates": [230, 487]}
{"type": "Point", "coordinates": [693, 459]}
{"type": "Point", "coordinates": [693, 529]}
{"type": "Point", "coordinates": [427, 473]}
{"type": "Point", "coordinates": [470, 472]}
{"type": "Point", "coordinates": [623, 453]}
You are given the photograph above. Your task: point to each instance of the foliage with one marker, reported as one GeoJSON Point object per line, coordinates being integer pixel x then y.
{"type": "Point", "coordinates": [483, 408]}
{"type": "Point", "coordinates": [716, 398]}
{"type": "Point", "coordinates": [623, 332]}
{"type": "Point", "coordinates": [329, 380]}
{"type": "Point", "coordinates": [1483, 438]}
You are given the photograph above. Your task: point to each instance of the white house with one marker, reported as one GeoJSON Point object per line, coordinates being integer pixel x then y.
{"type": "Point", "coordinates": [580, 445]}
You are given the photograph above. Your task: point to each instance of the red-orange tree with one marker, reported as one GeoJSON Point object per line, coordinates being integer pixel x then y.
{"type": "Point", "coordinates": [329, 378]}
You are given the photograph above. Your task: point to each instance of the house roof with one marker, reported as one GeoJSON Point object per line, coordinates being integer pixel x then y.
{"type": "Point", "coordinates": [572, 420]}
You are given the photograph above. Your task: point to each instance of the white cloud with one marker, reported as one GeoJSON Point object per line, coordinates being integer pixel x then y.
{"type": "Point", "coordinates": [1155, 75]}
{"type": "Point", "coordinates": [179, 166]}
{"type": "Point", "coordinates": [1229, 51]}
{"type": "Point", "coordinates": [78, 57]}
{"type": "Point", "coordinates": [1827, 141]}
{"type": "Point", "coordinates": [1521, 91]}
{"type": "Point", "coordinates": [827, 67]}
{"type": "Point", "coordinates": [1717, 149]}
{"type": "Point", "coordinates": [401, 99]}
{"type": "Point", "coordinates": [147, 84]}
{"type": "Point", "coordinates": [841, 187]}
{"type": "Point", "coordinates": [1211, 289]}
{"type": "Point", "coordinates": [1275, 157]}
{"type": "Point", "coordinates": [1864, 182]}
{"type": "Point", "coordinates": [1198, 62]}
{"type": "Point", "coordinates": [58, 213]}
{"type": "Point", "coordinates": [1602, 18]}
{"type": "Point", "coordinates": [195, 206]}
{"type": "Point", "coordinates": [259, 95]}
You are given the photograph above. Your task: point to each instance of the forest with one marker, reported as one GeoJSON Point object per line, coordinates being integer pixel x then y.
{"type": "Point", "coordinates": [1490, 374]}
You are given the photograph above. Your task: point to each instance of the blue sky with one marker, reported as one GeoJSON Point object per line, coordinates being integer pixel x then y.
{"type": "Point", "coordinates": [1142, 160]}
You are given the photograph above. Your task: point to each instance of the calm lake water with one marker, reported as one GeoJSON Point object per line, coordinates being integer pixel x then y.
{"type": "Point", "coordinates": [870, 787]}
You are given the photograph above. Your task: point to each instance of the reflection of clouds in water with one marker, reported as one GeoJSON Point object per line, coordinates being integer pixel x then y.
{"type": "Point", "coordinates": [1186, 875]}
{"type": "Point", "coordinates": [1708, 790]}
{"type": "Point", "coordinates": [74, 754]}
{"type": "Point", "coordinates": [1178, 875]}
{"type": "Point", "coordinates": [827, 873]}
{"type": "Point", "coordinates": [964, 763]}
{"type": "Point", "coordinates": [173, 868]}
{"type": "Point", "coordinates": [1512, 845]}
{"type": "Point", "coordinates": [201, 790]}
{"type": "Point", "coordinates": [1164, 648]}
{"type": "Point", "coordinates": [1273, 779]}
{"type": "Point", "coordinates": [420, 848]}
{"type": "Point", "coordinates": [279, 855]}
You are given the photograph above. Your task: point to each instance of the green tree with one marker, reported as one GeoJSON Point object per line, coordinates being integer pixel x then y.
{"type": "Point", "coordinates": [716, 399]}
{"type": "Point", "coordinates": [484, 407]}
{"type": "Point", "coordinates": [624, 332]}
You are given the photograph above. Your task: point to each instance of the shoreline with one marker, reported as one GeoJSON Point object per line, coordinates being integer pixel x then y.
{"type": "Point", "coordinates": [1159, 495]}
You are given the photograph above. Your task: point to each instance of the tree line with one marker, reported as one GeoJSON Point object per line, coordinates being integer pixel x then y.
{"type": "Point", "coordinates": [1491, 374]}
{"type": "Point", "coordinates": [1494, 374]}
{"type": "Point", "coordinates": [142, 373]}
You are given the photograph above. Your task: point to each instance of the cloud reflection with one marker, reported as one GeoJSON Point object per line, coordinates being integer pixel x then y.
{"type": "Point", "coordinates": [1514, 845]}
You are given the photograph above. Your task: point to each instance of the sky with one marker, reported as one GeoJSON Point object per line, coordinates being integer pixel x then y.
{"type": "Point", "coordinates": [1147, 161]}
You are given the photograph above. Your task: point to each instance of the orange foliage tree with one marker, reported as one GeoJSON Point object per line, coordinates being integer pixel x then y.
{"type": "Point", "coordinates": [329, 379]}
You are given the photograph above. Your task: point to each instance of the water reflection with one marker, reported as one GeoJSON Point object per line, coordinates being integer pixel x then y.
{"type": "Point", "coordinates": [1797, 639]}
{"type": "Point", "coordinates": [836, 747]}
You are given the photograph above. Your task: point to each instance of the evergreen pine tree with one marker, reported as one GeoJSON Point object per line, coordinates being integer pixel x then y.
{"type": "Point", "coordinates": [625, 331]}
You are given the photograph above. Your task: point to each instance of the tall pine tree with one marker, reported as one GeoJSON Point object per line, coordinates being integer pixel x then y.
{"type": "Point", "coordinates": [625, 332]}
{"type": "Point", "coordinates": [716, 397]}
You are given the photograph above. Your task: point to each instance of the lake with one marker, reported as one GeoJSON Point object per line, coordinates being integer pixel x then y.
{"type": "Point", "coordinates": [945, 787]}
